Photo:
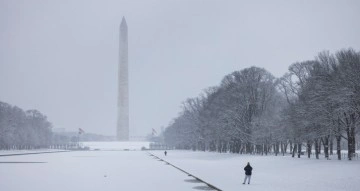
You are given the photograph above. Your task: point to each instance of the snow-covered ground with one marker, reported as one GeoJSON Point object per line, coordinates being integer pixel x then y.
{"type": "Point", "coordinates": [225, 171]}
{"type": "Point", "coordinates": [15, 152]}
{"type": "Point", "coordinates": [136, 170]}
{"type": "Point", "coordinates": [89, 171]}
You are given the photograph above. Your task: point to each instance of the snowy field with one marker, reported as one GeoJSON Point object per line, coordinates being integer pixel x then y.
{"type": "Point", "coordinates": [89, 171]}
{"type": "Point", "coordinates": [136, 170]}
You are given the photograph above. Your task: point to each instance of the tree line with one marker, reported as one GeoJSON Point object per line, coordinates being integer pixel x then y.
{"type": "Point", "coordinates": [317, 102]}
{"type": "Point", "coordinates": [31, 129]}
{"type": "Point", "coordinates": [21, 129]}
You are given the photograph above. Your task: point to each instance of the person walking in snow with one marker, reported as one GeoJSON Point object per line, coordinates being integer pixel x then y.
{"type": "Point", "coordinates": [248, 170]}
{"type": "Point", "coordinates": [165, 153]}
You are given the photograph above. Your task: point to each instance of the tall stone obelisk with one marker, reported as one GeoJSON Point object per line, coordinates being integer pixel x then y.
{"type": "Point", "coordinates": [123, 97]}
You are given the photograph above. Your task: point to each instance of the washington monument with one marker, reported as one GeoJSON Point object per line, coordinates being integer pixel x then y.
{"type": "Point", "coordinates": [123, 85]}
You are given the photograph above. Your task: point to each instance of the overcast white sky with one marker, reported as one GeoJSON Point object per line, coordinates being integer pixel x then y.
{"type": "Point", "coordinates": [61, 56]}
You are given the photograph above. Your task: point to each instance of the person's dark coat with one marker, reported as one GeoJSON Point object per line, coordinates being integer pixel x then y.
{"type": "Point", "coordinates": [248, 170]}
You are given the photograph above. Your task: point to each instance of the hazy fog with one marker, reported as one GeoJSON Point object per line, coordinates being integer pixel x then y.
{"type": "Point", "coordinates": [61, 57]}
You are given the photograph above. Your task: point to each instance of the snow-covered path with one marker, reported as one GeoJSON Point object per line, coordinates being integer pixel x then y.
{"type": "Point", "coordinates": [225, 171]}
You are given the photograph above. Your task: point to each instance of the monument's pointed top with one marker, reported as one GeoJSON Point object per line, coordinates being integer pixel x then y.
{"type": "Point", "coordinates": [123, 22]}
